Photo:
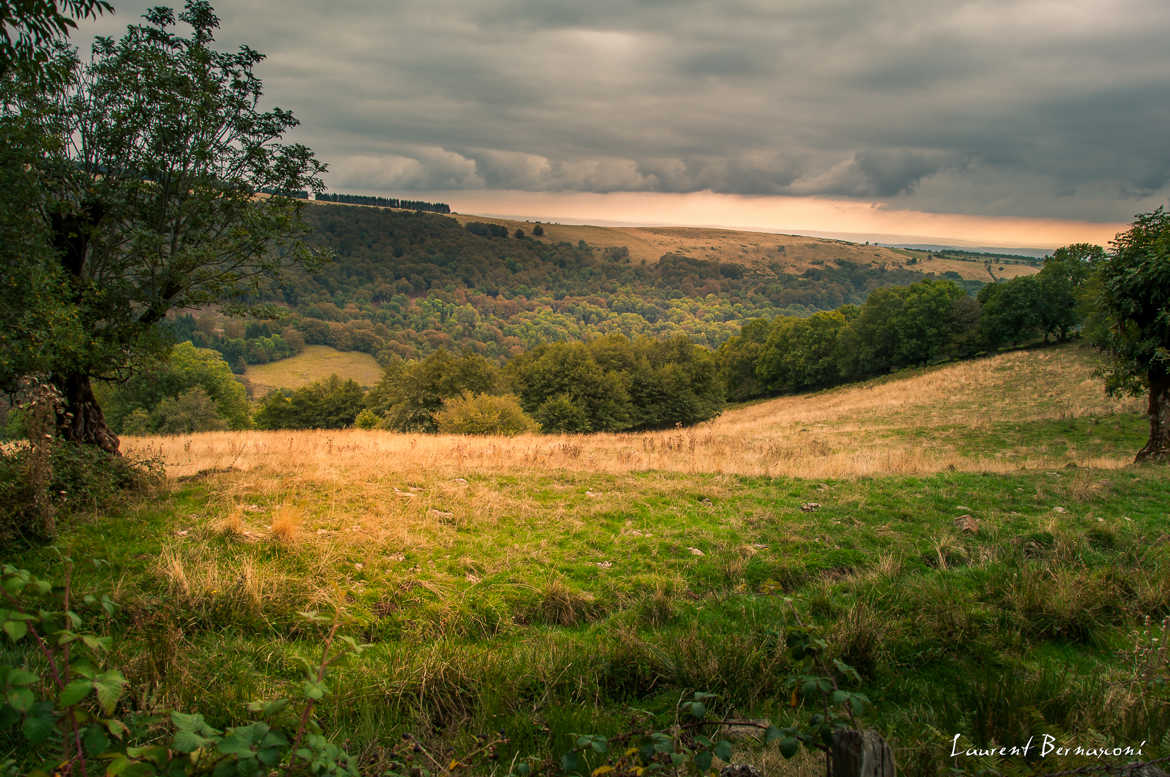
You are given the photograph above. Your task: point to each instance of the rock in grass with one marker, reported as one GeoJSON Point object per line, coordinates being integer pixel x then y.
{"type": "Point", "coordinates": [808, 507]}
{"type": "Point", "coordinates": [1145, 770]}
{"type": "Point", "coordinates": [967, 524]}
{"type": "Point", "coordinates": [753, 728]}
{"type": "Point", "coordinates": [740, 770]}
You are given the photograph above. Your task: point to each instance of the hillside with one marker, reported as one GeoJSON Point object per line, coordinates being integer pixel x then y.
{"type": "Point", "coordinates": [795, 252]}
{"type": "Point", "coordinates": [405, 284]}
{"type": "Point", "coordinates": [966, 537]}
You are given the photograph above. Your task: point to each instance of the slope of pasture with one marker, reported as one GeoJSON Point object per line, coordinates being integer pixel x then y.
{"type": "Point", "coordinates": [1031, 409]}
{"type": "Point", "coordinates": [797, 252]}
{"type": "Point", "coordinates": [928, 526]}
{"type": "Point", "coordinates": [314, 363]}
{"type": "Point", "coordinates": [971, 269]}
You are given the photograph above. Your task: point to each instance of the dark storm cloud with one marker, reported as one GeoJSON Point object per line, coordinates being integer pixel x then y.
{"type": "Point", "coordinates": [1029, 108]}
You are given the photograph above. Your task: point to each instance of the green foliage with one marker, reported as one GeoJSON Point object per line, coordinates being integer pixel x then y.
{"type": "Point", "coordinates": [366, 419]}
{"type": "Point", "coordinates": [29, 32]}
{"type": "Point", "coordinates": [140, 200]}
{"type": "Point", "coordinates": [802, 353]}
{"type": "Point", "coordinates": [79, 478]}
{"type": "Point", "coordinates": [902, 326]}
{"type": "Point", "coordinates": [410, 394]}
{"type": "Point", "coordinates": [257, 342]}
{"type": "Point", "coordinates": [1062, 280]}
{"type": "Point", "coordinates": [486, 230]}
{"type": "Point", "coordinates": [68, 708]}
{"type": "Point", "coordinates": [382, 202]}
{"type": "Point", "coordinates": [36, 322]}
{"type": "Point", "coordinates": [561, 415]}
{"type": "Point", "coordinates": [483, 414]}
{"type": "Point", "coordinates": [214, 399]}
{"type": "Point", "coordinates": [191, 411]}
{"type": "Point", "coordinates": [1133, 310]}
{"type": "Point", "coordinates": [1010, 311]}
{"type": "Point", "coordinates": [896, 327]}
{"type": "Point", "coordinates": [1132, 321]}
{"type": "Point", "coordinates": [738, 358]}
{"type": "Point", "coordinates": [332, 403]}
{"type": "Point", "coordinates": [613, 384]}
{"type": "Point", "coordinates": [692, 743]}
{"type": "Point", "coordinates": [569, 370]}
{"type": "Point", "coordinates": [671, 382]}
{"type": "Point", "coordinates": [407, 284]}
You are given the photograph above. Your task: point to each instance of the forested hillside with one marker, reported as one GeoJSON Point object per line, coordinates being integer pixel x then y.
{"type": "Point", "coordinates": [407, 283]}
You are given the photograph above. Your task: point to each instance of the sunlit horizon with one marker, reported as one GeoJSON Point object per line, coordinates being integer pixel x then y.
{"type": "Point", "coordinates": [858, 221]}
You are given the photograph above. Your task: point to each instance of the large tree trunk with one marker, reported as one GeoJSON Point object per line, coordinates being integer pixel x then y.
{"type": "Point", "coordinates": [1158, 447]}
{"type": "Point", "coordinates": [80, 419]}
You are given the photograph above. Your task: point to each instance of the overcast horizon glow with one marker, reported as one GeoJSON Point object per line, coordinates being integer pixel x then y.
{"type": "Point", "coordinates": [1030, 123]}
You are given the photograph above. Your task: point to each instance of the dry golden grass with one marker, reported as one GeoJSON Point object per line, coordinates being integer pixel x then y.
{"type": "Point", "coordinates": [975, 270]}
{"type": "Point", "coordinates": [315, 363]}
{"type": "Point", "coordinates": [796, 252]}
{"type": "Point", "coordinates": [286, 523]}
{"type": "Point", "coordinates": [908, 426]}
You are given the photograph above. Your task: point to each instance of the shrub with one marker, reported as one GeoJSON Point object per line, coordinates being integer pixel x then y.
{"type": "Point", "coordinates": [560, 414]}
{"type": "Point", "coordinates": [70, 712]}
{"type": "Point", "coordinates": [366, 419]}
{"type": "Point", "coordinates": [332, 403]}
{"type": "Point", "coordinates": [78, 478]}
{"type": "Point", "coordinates": [191, 411]}
{"type": "Point", "coordinates": [484, 414]}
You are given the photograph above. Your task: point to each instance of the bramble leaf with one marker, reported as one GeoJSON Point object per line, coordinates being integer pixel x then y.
{"type": "Point", "coordinates": [15, 630]}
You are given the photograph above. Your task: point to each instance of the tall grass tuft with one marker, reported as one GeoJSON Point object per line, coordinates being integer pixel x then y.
{"type": "Point", "coordinates": [286, 523]}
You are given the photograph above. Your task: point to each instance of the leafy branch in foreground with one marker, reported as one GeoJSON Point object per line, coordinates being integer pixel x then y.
{"type": "Point", "coordinates": [62, 704]}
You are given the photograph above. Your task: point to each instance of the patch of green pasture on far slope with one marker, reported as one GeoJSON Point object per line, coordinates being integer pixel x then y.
{"type": "Point", "coordinates": [316, 362]}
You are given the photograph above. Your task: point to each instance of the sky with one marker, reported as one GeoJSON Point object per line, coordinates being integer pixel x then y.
{"type": "Point", "coordinates": [1001, 122]}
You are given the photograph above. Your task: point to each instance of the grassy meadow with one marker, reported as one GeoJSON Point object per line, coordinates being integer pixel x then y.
{"type": "Point", "coordinates": [316, 362]}
{"type": "Point", "coordinates": [542, 586]}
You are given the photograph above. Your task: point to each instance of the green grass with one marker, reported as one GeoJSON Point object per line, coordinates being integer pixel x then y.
{"type": "Point", "coordinates": [316, 362]}
{"type": "Point", "coordinates": [568, 600]}
{"type": "Point", "coordinates": [1088, 436]}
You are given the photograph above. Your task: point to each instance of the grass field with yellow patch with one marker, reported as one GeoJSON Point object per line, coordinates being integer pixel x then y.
{"type": "Point", "coordinates": [971, 538]}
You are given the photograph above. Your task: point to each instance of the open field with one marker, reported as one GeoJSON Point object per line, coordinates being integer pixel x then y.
{"type": "Point", "coordinates": [1028, 409]}
{"type": "Point", "coordinates": [972, 270]}
{"type": "Point", "coordinates": [315, 363]}
{"type": "Point", "coordinates": [545, 586]}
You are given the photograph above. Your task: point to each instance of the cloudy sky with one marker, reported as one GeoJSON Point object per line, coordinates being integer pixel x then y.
{"type": "Point", "coordinates": [1008, 122]}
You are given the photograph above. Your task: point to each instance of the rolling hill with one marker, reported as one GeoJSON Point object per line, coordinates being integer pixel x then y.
{"type": "Point", "coordinates": [404, 284]}
{"type": "Point", "coordinates": [795, 252]}
{"type": "Point", "coordinates": [970, 536]}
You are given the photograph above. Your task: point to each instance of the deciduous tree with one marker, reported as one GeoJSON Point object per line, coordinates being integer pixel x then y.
{"type": "Point", "coordinates": [1133, 326]}
{"type": "Point", "coordinates": [150, 161]}
{"type": "Point", "coordinates": [30, 29]}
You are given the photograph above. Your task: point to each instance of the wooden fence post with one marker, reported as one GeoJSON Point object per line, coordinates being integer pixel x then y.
{"type": "Point", "coordinates": [861, 754]}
